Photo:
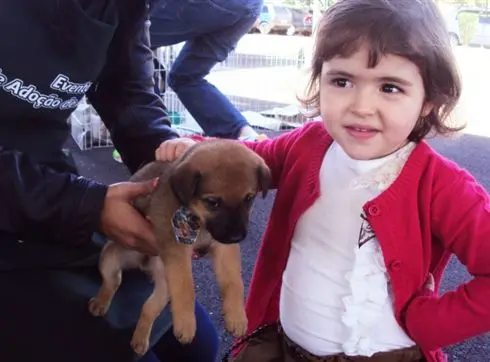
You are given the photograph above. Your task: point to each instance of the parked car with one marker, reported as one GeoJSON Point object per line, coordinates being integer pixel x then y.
{"type": "Point", "coordinates": [479, 31]}
{"type": "Point", "coordinates": [301, 22]}
{"type": "Point", "coordinates": [279, 18]}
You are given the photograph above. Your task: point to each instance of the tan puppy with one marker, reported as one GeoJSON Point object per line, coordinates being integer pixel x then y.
{"type": "Point", "coordinates": [202, 202]}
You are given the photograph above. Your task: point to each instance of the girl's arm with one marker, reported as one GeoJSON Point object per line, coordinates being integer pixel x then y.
{"type": "Point", "coordinates": [274, 151]}
{"type": "Point", "coordinates": [461, 221]}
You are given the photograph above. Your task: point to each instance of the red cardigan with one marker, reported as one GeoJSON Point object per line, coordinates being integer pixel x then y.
{"type": "Point", "coordinates": [433, 209]}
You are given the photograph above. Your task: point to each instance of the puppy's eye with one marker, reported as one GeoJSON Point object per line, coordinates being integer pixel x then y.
{"type": "Point", "coordinates": [249, 198]}
{"type": "Point", "coordinates": [212, 202]}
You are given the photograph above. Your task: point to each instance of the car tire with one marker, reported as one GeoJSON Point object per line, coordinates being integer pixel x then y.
{"type": "Point", "coordinates": [454, 39]}
{"type": "Point", "coordinates": [264, 28]}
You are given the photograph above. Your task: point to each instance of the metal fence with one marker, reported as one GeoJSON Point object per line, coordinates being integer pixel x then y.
{"type": "Point", "coordinates": [261, 80]}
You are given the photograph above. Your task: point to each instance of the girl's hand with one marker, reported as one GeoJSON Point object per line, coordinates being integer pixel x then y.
{"type": "Point", "coordinates": [172, 149]}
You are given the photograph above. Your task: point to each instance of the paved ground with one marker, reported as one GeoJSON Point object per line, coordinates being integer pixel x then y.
{"type": "Point", "coordinates": [472, 152]}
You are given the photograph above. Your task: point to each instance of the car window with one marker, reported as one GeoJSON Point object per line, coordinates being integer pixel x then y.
{"type": "Point", "coordinates": [484, 18]}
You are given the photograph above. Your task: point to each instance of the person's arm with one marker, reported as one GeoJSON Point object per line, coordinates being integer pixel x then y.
{"type": "Point", "coordinates": [39, 203]}
{"type": "Point", "coordinates": [461, 221]}
{"type": "Point", "coordinates": [274, 151]}
{"type": "Point", "coordinates": [123, 94]}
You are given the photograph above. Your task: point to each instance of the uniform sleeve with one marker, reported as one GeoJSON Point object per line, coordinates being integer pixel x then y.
{"type": "Point", "coordinates": [123, 94]}
{"type": "Point", "coordinates": [461, 221]}
{"type": "Point", "coordinates": [39, 203]}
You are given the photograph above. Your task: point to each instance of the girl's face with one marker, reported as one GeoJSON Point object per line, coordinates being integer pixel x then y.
{"type": "Point", "coordinates": [370, 112]}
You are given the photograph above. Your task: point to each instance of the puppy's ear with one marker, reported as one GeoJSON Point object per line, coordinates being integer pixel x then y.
{"type": "Point", "coordinates": [264, 179]}
{"type": "Point", "coordinates": [185, 181]}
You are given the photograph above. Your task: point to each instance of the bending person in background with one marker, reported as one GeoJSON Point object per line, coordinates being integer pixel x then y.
{"type": "Point", "coordinates": [211, 31]}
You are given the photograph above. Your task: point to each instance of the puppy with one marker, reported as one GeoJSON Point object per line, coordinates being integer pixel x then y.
{"type": "Point", "coordinates": [201, 203]}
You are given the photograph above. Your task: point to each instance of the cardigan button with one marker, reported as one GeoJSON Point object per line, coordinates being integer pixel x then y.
{"type": "Point", "coordinates": [395, 265]}
{"type": "Point", "coordinates": [374, 210]}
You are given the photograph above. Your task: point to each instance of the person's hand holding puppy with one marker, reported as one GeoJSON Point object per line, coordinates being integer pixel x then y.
{"type": "Point", "coordinates": [122, 223]}
{"type": "Point", "coordinates": [171, 150]}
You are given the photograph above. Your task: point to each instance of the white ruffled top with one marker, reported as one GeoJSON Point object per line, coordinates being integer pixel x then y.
{"type": "Point", "coordinates": [369, 280]}
{"type": "Point", "coordinates": [365, 306]}
{"type": "Point", "coordinates": [353, 315]}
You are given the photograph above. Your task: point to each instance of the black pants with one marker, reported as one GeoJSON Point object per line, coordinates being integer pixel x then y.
{"type": "Point", "coordinates": [44, 316]}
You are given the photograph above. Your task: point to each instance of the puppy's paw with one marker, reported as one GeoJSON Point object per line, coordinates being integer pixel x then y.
{"type": "Point", "coordinates": [185, 328]}
{"type": "Point", "coordinates": [97, 308]}
{"type": "Point", "coordinates": [140, 343]}
{"type": "Point", "coordinates": [236, 323]}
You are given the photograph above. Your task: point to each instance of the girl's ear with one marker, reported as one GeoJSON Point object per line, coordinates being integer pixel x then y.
{"type": "Point", "coordinates": [426, 109]}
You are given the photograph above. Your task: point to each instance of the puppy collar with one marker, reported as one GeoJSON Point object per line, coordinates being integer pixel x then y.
{"type": "Point", "coordinates": [185, 225]}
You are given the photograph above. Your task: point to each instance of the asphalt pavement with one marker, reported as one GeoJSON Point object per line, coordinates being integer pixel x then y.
{"type": "Point", "coordinates": [471, 152]}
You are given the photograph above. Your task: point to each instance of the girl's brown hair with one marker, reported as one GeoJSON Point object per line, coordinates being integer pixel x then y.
{"type": "Point", "coordinates": [413, 29]}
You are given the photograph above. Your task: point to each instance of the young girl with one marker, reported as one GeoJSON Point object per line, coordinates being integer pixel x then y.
{"type": "Point", "coordinates": [366, 214]}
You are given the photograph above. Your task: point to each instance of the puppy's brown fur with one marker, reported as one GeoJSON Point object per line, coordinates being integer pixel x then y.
{"type": "Point", "coordinates": [217, 180]}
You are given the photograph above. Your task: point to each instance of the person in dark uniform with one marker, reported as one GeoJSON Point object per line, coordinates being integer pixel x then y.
{"type": "Point", "coordinates": [53, 53]}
